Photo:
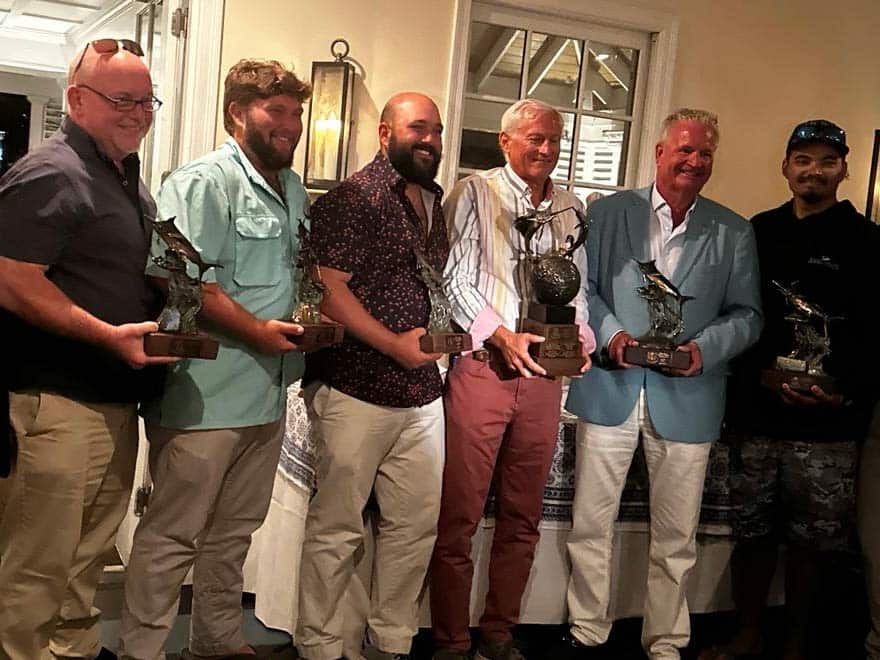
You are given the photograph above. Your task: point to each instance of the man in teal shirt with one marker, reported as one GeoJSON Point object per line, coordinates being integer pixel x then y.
{"type": "Point", "coordinates": [215, 434]}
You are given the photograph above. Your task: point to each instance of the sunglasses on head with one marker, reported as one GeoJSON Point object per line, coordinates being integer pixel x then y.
{"type": "Point", "coordinates": [820, 130]}
{"type": "Point", "coordinates": [107, 47]}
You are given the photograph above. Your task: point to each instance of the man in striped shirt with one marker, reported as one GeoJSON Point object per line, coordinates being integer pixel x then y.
{"type": "Point", "coordinates": [500, 406]}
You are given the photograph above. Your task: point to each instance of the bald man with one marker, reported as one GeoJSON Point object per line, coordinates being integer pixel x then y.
{"type": "Point", "coordinates": [74, 238]}
{"type": "Point", "coordinates": [374, 400]}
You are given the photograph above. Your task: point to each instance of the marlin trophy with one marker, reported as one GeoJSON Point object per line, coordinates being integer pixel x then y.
{"type": "Point", "coordinates": [658, 348]}
{"type": "Point", "coordinates": [802, 367]}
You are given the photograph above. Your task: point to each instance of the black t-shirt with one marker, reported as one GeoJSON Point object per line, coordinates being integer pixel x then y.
{"type": "Point", "coordinates": [66, 206]}
{"type": "Point", "coordinates": [831, 258]}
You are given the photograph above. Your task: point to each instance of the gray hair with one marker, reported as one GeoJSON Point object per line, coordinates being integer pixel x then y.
{"type": "Point", "coordinates": [704, 117]}
{"type": "Point", "coordinates": [526, 109]}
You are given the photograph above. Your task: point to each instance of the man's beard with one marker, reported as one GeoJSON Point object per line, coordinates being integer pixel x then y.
{"type": "Point", "coordinates": [817, 194]}
{"type": "Point", "coordinates": [402, 158]}
{"type": "Point", "coordinates": [270, 158]}
{"type": "Point", "coordinates": [811, 197]}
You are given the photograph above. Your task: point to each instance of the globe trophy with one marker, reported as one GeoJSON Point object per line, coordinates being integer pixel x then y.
{"type": "Point", "coordinates": [440, 338]}
{"type": "Point", "coordinates": [555, 281]}
{"type": "Point", "coordinates": [657, 349]}
{"type": "Point", "coordinates": [802, 367]}
{"type": "Point", "coordinates": [179, 334]}
{"type": "Point", "coordinates": [317, 332]}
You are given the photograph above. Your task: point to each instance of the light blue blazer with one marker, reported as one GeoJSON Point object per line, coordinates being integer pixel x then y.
{"type": "Point", "coordinates": [718, 267]}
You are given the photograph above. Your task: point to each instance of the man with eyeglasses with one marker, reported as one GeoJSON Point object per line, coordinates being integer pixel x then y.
{"type": "Point", "coordinates": [74, 235]}
{"type": "Point", "coordinates": [215, 433]}
{"type": "Point", "coordinates": [794, 453]}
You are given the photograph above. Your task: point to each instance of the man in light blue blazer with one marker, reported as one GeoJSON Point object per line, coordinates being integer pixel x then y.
{"type": "Point", "coordinates": [708, 253]}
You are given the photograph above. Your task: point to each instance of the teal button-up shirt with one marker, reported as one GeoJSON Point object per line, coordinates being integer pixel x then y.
{"type": "Point", "coordinates": [235, 219]}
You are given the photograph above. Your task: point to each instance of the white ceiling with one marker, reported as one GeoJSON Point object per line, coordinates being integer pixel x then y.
{"type": "Point", "coordinates": [39, 18]}
{"type": "Point", "coordinates": [38, 37]}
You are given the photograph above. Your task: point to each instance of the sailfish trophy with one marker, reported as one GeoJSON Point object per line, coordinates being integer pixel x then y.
{"type": "Point", "coordinates": [179, 334]}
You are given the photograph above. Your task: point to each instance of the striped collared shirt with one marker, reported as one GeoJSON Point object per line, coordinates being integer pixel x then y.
{"type": "Point", "coordinates": [486, 276]}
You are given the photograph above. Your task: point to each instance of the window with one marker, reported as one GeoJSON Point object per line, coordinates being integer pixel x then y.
{"type": "Point", "coordinates": [594, 75]}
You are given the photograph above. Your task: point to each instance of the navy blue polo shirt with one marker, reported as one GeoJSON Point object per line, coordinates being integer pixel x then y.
{"type": "Point", "coordinates": [66, 206]}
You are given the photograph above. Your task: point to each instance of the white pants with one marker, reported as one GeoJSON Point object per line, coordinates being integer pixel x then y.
{"type": "Point", "coordinates": [396, 454]}
{"type": "Point", "coordinates": [677, 472]}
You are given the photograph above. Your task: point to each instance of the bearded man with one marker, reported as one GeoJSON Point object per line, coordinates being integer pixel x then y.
{"type": "Point", "coordinates": [215, 435]}
{"type": "Point", "coordinates": [374, 400]}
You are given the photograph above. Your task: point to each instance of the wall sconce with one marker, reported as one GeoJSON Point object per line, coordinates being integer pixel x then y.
{"type": "Point", "coordinates": [872, 208]}
{"type": "Point", "coordinates": [329, 120]}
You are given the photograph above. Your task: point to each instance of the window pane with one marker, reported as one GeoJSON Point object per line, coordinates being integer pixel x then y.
{"type": "Point", "coordinates": [610, 79]}
{"type": "Point", "coordinates": [554, 63]}
{"type": "Point", "coordinates": [601, 151]}
{"type": "Point", "coordinates": [590, 195]}
{"type": "Point", "coordinates": [561, 171]}
{"type": "Point", "coordinates": [479, 137]}
{"type": "Point", "coordinates": [495, 58]}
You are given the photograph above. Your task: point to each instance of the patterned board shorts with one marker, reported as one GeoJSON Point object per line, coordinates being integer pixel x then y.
{"type": "Point", "coordinates": [802, 492]}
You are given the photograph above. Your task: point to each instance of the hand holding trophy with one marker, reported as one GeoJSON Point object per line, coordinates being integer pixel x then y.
{"type": "Point", "coordinates": [658, 349]}
{"type": "Point", "coordinates": [179, 334]}
{"type": "Point", "coordinates": [317, 332]}
{"type": "Point", "coordinates": [555, 281]}
{"type": "Point", "coordinates": [802, 367]}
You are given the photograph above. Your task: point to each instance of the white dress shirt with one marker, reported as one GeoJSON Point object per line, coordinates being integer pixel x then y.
{"type": "Point", "coordinates": [487, 283]}
{"type": "Point", "coordinates": [666, 242]}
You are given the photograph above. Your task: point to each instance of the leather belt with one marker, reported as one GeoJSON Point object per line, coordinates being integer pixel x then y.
{"type": "Point", "coordinates": [492, 358]}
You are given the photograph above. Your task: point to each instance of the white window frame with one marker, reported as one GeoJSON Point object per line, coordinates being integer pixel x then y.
{"type": "Point", "coordinates": [605, 19]}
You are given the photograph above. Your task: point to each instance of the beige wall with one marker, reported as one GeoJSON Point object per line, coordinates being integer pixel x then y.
{"type": "Point", "coordinates": [397, 45]}
{"type": "Point", "coordinates": [763, 65]}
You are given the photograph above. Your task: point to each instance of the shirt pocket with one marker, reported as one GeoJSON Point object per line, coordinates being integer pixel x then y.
{"type": "Point", "coordinates": [259, 250]}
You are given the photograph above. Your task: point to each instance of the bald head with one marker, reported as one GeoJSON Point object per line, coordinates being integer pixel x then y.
{"type": "Point", "coordinates": [88, 64]}
{"type": "Point", "coordinates": [411, 136]}
{"type": "Point", "coordinates": [95, 79]}
{"type": "Point", "coordinates": [403, 100]}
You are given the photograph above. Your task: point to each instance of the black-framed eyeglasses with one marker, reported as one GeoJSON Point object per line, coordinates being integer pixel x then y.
{"type": "Point", "coordinates": [150, 104]}
{"type": "Point", "coordinates": [106, 47]}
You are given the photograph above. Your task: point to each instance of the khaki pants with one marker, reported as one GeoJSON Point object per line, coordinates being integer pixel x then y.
{"type": "Point", "coordinates": [397, 454]}
{"type": "Point", "coordinates": [211, 491]}
{"type": "Point", "coordinates": [869, 529]}
{"type": "Point", "coordinates": [60, 512]}
{"type": "Point", "coordinates": [676, 471]}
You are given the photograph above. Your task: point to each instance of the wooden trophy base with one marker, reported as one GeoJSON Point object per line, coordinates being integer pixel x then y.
{"type": "Point", "coordinates": [446, 342]}
{"type": "Point", "coordinates": [799, 381]}
{"type": "Point", "coordinates": [173, 344]}
{"type": "Point", "coordinates": [655, 356]}
{"type": "Point", "coordinates": [318, 335]}
{"type": "Point", "coordinates": [561, 352]}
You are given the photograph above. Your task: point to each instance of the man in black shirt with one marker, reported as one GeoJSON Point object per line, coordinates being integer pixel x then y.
{"type": "Point", "coordinates": [794, 453]}
{"type": "Point", "coordinates": [74, 239]}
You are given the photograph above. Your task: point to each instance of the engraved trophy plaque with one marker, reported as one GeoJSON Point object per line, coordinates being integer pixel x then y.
{"type": "Point", "coordinates": [179, 335]}
{"type": "Point", "coordinates": [802, 367]}
{"type": "Point", "coordinates": [555, 282]}
{"type": "Point", "coordinates": [657, 349]}
{"type": "Point", "coordinates": [317, 332]}
{"type": "Point", "coordinates": [440, 338]}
